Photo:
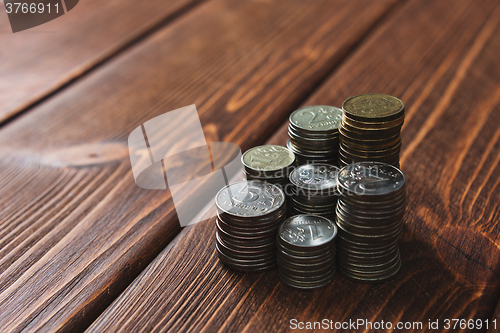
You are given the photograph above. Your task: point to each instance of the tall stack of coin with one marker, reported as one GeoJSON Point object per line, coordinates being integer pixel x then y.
{"type": "Point", "coordinates": [313, 134]}
{"type": "Point", "coordinates": [370, 214]}
{"type": "Point", "coordinates": [306, 251]}
{"type": "Point", "coordinates": [270, 163]}
{"type": "Point", "coordinates": [248, 217]}
{"type": "Point", "coordinates": [370, 129]}
{"type": "Point", "coordinates": [314, 190]}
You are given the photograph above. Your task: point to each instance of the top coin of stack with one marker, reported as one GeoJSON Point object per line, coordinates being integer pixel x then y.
{"type": "Point", "coordinates": [314, 190]}
{"type": "Point", "coordinates": [269, 163]}
{"type": "Point", "coordinates": [248, 217]}
{"type": "Point", "coordinates": [313, 134]}
{"type": "Point", "coordinates": [306, 251]}
{"type": "Point", "coordinates": [370, 129]}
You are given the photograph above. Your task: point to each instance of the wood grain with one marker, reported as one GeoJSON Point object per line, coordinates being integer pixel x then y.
{"type": "Point", "coordinates": [440, 58]}
{"type": "Point", "coordinates": [75, 230]}
{"type": "Point", "coordinates": [41, 60]}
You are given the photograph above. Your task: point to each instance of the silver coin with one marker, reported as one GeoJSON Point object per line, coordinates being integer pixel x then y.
{"type": "Point", "coordinates": [316, 270]}
{"type": "Point", "coordinates": [370, 178]}
{"type": "Point", "coordinates": [367, 266]}
{"type": "Point", "coordinates": [371, 271]}
{"type": "Point", "coordinates": [306, 285]}
{"type": "Point", "coordinates": [315, 176]}
{"type": "Point", "coordinates": [249, 199]}
{"type": "Point", "coordinates": [307, 231]}
{"type": "Point", "coordinates": [248, 249]}
{"type": "Point", "coordinates": [267, 158]}
{"type": "Point", "coordinates": [317, 118]}
{"type": "Point", "coordinates": [306, 278]}
{"type": "Point", "coordinates": [367, 279]}
{"type": "Point", "coordinates": [254, 261]}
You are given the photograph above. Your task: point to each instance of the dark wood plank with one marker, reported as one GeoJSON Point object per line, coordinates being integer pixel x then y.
{"type": "Point", "coordinates": [74, 228]}
{"type": "Point", "coordinates": [440, 57]}
{"type": "Point", "coordinates": [41, 60]}
{"type": "Point", "coordinates": [495, 317]}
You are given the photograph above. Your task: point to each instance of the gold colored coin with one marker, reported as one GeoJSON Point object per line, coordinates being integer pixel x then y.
{"type": "Point", "coordinates": [373, 108]}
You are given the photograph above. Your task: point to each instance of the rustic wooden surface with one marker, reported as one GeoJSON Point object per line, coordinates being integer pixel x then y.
{"type": "Point", "coordinates": [441, 58]}
{"type": "Point", "coordinates": [75, 230]}
{"type": "Point", "coordinates": [39, 61]}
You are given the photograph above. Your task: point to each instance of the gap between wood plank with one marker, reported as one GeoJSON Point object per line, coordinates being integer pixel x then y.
{"type": "Point", "coordinates": [102, 60]}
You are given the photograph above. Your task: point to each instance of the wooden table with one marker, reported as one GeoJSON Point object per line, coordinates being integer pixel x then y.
{"type": "Point", "coordinates": [82, 248]}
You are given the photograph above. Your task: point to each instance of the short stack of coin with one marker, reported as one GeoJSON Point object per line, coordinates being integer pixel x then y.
{"type": "Point", "coordinates": [370, 129]}
{"type": "Point", "coordinates": [306, 251]}
{"type": "Point", "coordinates": [269, 163]}
{"type": "Point", "coordinates": [314, 190]}
{"type": "Point", "coordinates": [313, 134]}
{"type": "Point", "coordinates": [248, 217]}
{"type": "Point", "coordinates": [370, 214]}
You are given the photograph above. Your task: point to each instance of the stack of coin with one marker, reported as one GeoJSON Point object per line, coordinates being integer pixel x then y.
{"type": "Point", "coordinates": [314, 190]}
{"type": "Point", "coordinates": [313, 134]}
{"type": "Point", "coordinates": [370, 129]}
{"type": "Point", "coordinates": [306, 251]}
{"type": "Point", "coordinates": [248, 217]}
{"type": "Point", "coordinates": [370, 214]}
{"type": "Point", "coordinates": [269, 163]}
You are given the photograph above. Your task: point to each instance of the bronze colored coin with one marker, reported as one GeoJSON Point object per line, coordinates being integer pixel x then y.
{"type": "Point", "coordinates": [349, 136]}
{"type": "Point", "coordinates": [368, 145]}
{"type": "Point", "coordinates": [369, 157]}
{"type": "Point", "coordinates": [374, 126]}
{"type": "Point", "coordinates": [373, 107]}
{"type": "Point", "coordinates": [361, 133]}
{"type": "Point", "coordinates": [363, 152]}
